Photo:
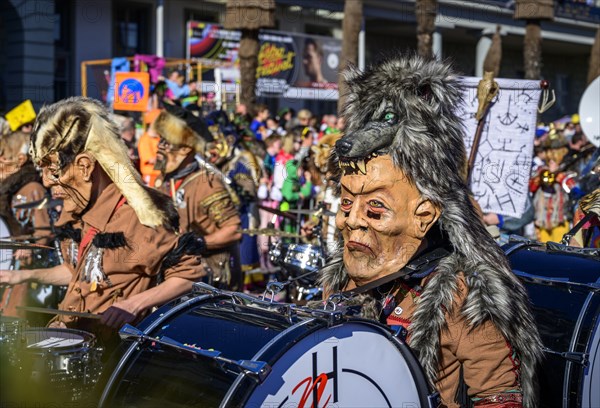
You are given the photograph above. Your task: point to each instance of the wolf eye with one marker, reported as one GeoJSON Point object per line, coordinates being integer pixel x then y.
{"type": "Point", "coordinates": [389, 117]}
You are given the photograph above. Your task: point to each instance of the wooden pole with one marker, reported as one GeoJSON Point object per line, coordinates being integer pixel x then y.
{"type": "Point", "coordinates": [83, 78]}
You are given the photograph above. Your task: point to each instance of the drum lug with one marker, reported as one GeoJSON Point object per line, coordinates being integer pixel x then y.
{"type": "Point", "coordinates": [434, 400]}
{"type": "Point", "coordinates": [400, 332]}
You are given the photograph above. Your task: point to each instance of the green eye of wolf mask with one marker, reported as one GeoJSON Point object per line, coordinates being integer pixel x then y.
{"type": "Point", "coordinates": [389, 117]}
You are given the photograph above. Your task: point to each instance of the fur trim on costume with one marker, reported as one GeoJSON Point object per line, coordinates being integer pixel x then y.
{"type": "Point", "coordinates": [187, 244]}
{"type": "Point", "coordinates": [175, 131]}
{"type": "Point", "coordinates": [110, 240]}
{"type": "Point", "coordinates": [68, 232]}
{"type": "Point", "coordinates": [76, 125]}
{"type": "Point", "coordinates": [424, 136]}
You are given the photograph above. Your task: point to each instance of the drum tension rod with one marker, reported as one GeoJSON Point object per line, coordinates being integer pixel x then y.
{"type": "Point", "coordinates": [579, 358]}
{"type": "Point", "coordinates": [258, 369]}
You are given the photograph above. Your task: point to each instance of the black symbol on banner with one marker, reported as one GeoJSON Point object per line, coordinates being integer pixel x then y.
{"type": "Point", "coordinates": [508, 118]}
{"type": "Point", "coordinates": [504, 200]}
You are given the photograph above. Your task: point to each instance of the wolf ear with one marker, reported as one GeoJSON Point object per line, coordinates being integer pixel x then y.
{"type": "Point", "coordinates": [425, 92]}
{"type": "Point", "coordinates": [351, 74]}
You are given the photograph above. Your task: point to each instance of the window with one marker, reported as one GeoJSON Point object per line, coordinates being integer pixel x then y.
{"type": "Point", "coordinates": [132, 22]}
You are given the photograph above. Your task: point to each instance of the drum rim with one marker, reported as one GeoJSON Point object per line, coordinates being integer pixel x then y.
{"type": "Point", "coordinates": [418, 375]}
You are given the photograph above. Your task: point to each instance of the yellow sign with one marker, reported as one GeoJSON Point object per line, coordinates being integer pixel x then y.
{"type": "Point", "coordinates": [20, 115]}
{"type": "Point", "coordinates": [132, 90]}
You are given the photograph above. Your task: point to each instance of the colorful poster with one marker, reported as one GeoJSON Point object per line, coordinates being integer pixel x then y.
{"type": "Point", "coordinates": [288, 63]}
{"type": "Point", "coordinates": [20, 115]}
{"type": "Point", "coordinates": [132, 91]}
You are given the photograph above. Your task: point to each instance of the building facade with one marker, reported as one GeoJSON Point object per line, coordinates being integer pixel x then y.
{"type": "Point", "coordinates": [44, 42]}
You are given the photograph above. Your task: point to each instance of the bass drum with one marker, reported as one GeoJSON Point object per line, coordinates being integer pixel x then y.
{"type": "Point", "coordinates": [563, 284]}
{"type": "Point", "coordinates": [224, 337]}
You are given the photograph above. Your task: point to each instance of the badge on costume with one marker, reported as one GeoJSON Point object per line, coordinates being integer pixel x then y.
{"type": "Point", "coordinates": [179, 198]}
{"type": "Point", "coordinates": [92, 272]}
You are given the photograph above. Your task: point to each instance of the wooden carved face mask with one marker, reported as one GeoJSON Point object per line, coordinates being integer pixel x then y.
{"type": "Point", "coordinates": [383, 219]}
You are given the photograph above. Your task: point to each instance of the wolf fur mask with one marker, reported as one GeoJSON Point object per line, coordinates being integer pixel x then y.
{"type": "Point", "coordinates": [405, 107]}
{"type": "Point", "coordinates": [180, 127]}
{"type": "Point", "coordinates": [76, 125]}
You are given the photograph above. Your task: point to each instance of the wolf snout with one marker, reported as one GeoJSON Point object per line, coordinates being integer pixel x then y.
{"type": "Point", "coordinates": [343, 147]}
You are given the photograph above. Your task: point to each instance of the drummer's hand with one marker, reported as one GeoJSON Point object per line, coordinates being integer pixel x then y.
{"type": "Point", "coordinates": [10, 277]}
{"type": "Point", "coordinates": [118, 314]}
{"type": "Point", "coordinates": [307, 229]}
{"type": "Point", "coordinates": [57, 325]}
{"type": "Point", "coordinates": [23, 255]}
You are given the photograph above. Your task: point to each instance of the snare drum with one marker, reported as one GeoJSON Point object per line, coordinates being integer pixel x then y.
{"type": "Point", "coordinates": [231, 350]}
{"type": "Point", "coordinates": [65, 361]}
{"type": "Point", "coordinates": [298, 259]}
{"type": "Point", "coordinates": [564, 288]}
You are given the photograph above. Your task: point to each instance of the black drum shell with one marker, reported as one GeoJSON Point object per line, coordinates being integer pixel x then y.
{"type": "Point", "coordinates": [563, 289]}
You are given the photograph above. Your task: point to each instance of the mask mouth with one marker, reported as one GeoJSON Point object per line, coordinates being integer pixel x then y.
{"type": "Point", "coordinates": [355, 165]}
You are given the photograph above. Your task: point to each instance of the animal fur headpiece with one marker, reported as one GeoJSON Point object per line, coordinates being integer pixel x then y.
{"type": "Point", "coordinates": [76, 125]}
{"type": "Point", "coordinates": [406, 107]}
{"type": "Point", "coordinates": [180, 127]}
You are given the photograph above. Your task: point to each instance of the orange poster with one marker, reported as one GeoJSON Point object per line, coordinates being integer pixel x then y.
{"type": "Point", "coordinates": [132, 90]}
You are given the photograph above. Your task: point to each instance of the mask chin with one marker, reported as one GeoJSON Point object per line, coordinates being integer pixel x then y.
{"type": "Point", "coordinates": [161, 164]}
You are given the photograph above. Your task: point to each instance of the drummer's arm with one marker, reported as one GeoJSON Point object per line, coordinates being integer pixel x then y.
{"type": "Point", "coordinates": [178, 281]}
{"type": "Point", "coordinates": [223, 237]}
{"type": "Point", "coordinates": [57, 275]}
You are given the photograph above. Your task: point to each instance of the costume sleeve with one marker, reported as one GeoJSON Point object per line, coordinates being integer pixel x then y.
{"type": "Point", "coordinates": [214, 207]}
{"type": "Point", "coordinates": [490, 368]}
{"type": "Point", "coordinates": [188, 267]}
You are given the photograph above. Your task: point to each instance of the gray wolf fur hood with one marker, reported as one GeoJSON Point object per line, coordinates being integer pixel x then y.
{"type": "Point", "coordinates": [405, 107]}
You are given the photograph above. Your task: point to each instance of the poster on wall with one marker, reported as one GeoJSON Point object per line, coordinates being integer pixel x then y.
{"type": "Point", "coordinates": [500, 177]}
{"type": "Point", "coordinates": [289, 64]}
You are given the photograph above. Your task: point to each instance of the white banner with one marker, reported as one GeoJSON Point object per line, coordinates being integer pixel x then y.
{"type": "Point", "coordinates": [500, 176]}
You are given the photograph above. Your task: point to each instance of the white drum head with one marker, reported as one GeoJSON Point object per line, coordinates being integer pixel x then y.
{"type": "Point", "coordinates": [5, 254]}
{"type": "Point", "coordinates": [352, 365]}
{"type": "Point", "coordinates": [52, 339]}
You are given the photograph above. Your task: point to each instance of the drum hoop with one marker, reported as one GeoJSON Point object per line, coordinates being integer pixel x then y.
{"type": "Point", "coordinates": [108, 388]}
{"type": "Point", "coordinates": [411, 360]}
{"type": "Point", "coordinates": [572, 348]}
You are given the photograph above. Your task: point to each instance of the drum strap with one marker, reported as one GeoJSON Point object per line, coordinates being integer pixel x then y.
{"type": "Point", "coordinates": [417, 268]}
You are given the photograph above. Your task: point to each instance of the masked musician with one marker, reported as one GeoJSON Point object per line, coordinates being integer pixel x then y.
{"type": "Point", "coordinates": [232, 155]}
{"type": "Point", "coordinates": [20, 184]}
{"type": "Point", "coordinates": [128, 231]}
{"type": "Point", "coordinates": [204, 203]}
{"type": "Point", "coordinates": [415, 252]}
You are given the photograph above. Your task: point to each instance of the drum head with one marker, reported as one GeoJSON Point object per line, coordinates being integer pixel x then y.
{"type": "Point", "coordinates": [56, 339]}
{"type": "Point", "coordinates": [5, 254]}
{"type": "Point", "coordinates": [356, 364]}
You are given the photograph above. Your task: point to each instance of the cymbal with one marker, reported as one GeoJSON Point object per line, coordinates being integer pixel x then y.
{"type": "Point", "coordinates": [319, 212]}
{"type": "Point", "coordinates": [21, 245]}
{"type": "Point", "coordinates": [277, 212]}
{"type": "Point", "coordinates": [271, 232]}
{"type": "Point", "coordinates": [39, 204]}
{"type": "Point", "coordinates": [56, 311]}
